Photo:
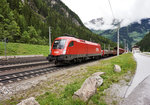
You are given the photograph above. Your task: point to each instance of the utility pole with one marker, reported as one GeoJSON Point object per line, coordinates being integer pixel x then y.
{"type": "Point", "coordinates": [127, 48]}
{"type": "Point", "coordinates": [118, 39]}
{"type": "Point", "coordinates": [125, 45]}
{"type": "Point", "coordinates": [49, 40]}
{"type": "Point", "coordinates": [109, 47]}
{"type": "Point", "coordinates": [104, 46]}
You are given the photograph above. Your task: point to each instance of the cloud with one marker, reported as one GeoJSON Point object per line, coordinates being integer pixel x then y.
{"type": "Point", "coordinates": [128, 10]}
{"type": "Point", "coordinates": [141, 9]}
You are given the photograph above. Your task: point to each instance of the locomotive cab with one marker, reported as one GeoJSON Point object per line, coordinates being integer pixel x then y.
{"type": "Point", "coordinates": [61, 50]}
{"type": "Point", "coordinates": [59, 47]}
{"type": "Point", "coordinates": [58, 50]}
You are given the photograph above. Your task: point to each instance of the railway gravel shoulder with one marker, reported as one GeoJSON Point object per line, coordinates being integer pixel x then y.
{"type": "Point", "coordinates": [17, 76]}
{"type": "Point", "coordinates": [39, 85]}
{"type": "Point", "coordinates": [43, 83]}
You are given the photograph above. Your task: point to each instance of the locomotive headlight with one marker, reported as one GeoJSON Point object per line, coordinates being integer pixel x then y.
{"type": "Point", "coordinates": [64, 52]}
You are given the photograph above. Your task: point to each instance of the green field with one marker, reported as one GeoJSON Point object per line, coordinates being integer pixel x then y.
{"type": "Point", "coordinates": [23, 49]}
{"type": "Point", "coordinates": [126, 62]}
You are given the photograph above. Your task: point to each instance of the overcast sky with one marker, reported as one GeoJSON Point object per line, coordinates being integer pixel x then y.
{"type": "Point", "coordinates": [129, 10]}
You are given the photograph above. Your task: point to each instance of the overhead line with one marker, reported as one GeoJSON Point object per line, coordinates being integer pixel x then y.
{"type": "Point", "coordinates": [111, 9]}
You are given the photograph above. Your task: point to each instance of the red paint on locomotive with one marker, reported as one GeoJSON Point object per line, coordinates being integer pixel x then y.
{"type": "Point", "coordinates": [70, 48]}
{"type": "Point", "coordinates": [65, 49]}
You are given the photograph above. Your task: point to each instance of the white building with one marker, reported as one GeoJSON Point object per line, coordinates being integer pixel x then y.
{"type": "Point", "coordinates": [136, 49]}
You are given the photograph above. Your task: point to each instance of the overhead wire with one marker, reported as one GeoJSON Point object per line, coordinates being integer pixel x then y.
{"type": "Point", "coordinates": [111, 9]}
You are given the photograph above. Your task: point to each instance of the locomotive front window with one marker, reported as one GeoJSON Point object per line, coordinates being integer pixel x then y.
{"type": "Point", "coordinates": [59, 44]}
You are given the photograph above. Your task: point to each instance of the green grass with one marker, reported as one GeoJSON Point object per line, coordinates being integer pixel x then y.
{"type": "Point", "coordinates": [65, 97]}
{"type": "Point", "coordinates": [126, 62]}
{"type": "Point", "coordinates": [23, 49]}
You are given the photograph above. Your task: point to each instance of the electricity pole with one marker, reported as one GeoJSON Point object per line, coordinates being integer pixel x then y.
{"type": "Point", "coordinates": [49, 40]}
{"type": "Point", "coordinates": [127, 48]}
{"type": "Point", "coordinates": [125, 45]}
{"type": "Point", "coordinates": [109, 47]}
{"type": "Point", "coordinates": [118, 39]}
{"type": "Point", "coordinates": [127, 42]}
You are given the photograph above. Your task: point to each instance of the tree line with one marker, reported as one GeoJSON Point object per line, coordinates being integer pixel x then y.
{"type": "Point", "coordinates": [144, 44]}
{"type": "Point", "coordinates": [27, 21]}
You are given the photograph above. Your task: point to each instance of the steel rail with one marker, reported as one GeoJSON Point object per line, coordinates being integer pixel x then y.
{"type": "Point", "coordinates": [13, 77]}
{"type": "Point", "coordinates": [23, 65]}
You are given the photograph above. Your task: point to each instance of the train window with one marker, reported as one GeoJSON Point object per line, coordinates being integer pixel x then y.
{"type": "Point", "coordinates": [71, 44]}
{"type": "Point", "coordinates": [59, 44]}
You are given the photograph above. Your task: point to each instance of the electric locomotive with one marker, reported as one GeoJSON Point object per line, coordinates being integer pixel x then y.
{"type": "Point", "coordinates": [70, 49]}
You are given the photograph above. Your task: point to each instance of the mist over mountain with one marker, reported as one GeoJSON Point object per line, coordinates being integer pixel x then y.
{"type": "Point", "coordinates": [132, 33]}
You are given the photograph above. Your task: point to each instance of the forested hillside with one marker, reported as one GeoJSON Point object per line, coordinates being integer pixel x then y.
{"type": "Point", "coordinates": [145, 43]}
{"type": "Point", "coordinates": [27, 21]}
{"type": "Point", "coordinates": [132, 33]}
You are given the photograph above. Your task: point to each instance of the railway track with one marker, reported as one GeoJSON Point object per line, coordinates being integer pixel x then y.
{"type": "Point", "coordinates": [22, 65]}
{"type": "Point", "coordinates": [13, 61]}
{"type": "Point", "coordinates": [17, 69]}
{"type": "Point", "coordinates": [13, 77]}
{"type": "Point", "coordinates": [13, 73]}
{"type": "Point", "coordinates": [18, 75]}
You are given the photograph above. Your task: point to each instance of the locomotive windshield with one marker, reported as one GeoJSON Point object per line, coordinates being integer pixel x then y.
{"type": "Point", "coordinates": [59, 44]}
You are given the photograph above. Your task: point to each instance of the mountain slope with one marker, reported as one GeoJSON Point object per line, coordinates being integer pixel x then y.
{"type": "Point", "coordinates": [145, 43]}
{"type": "Point", "coordinates": [132, 33]}
{"type": "Point", "coordinates": [27, 21]}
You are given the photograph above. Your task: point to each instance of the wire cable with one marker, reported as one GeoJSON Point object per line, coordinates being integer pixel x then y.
{"type": "Point", "coordinates": [111, 9]}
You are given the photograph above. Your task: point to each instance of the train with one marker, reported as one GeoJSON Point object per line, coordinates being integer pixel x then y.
{"type": "Point", "coordinates": [67, 49]}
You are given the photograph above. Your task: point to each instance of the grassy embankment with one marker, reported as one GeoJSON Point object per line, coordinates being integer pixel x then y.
{"type": "Point", "coordinates": [61, 94]}
{"type": "Point", "coordinates": [23, 49]}
{"type": "Point", "coordinates": [64, 97]}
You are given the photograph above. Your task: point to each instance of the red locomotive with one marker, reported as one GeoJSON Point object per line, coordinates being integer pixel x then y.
{"type": "Point", "coordinates": [67, 49]}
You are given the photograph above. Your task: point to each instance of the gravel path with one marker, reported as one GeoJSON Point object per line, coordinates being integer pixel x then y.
{"type": "Point", "coordinates": [140, 95]}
